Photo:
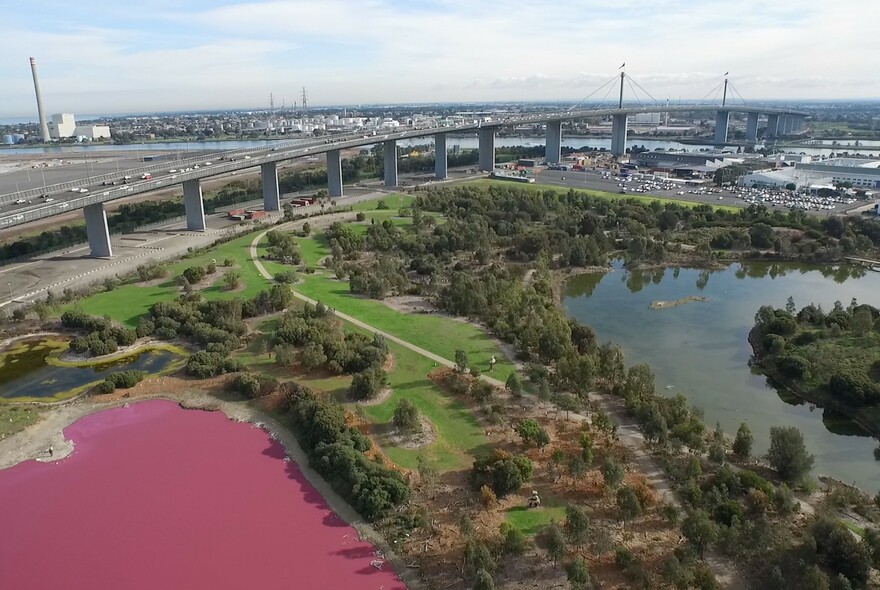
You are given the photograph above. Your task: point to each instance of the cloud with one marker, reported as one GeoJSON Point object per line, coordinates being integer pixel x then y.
{"type": "Point", "coordinates": [108, 56]}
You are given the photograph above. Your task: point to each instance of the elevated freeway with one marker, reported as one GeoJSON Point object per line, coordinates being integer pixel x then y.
{"type": "Point", "coordinates": [90, 195]}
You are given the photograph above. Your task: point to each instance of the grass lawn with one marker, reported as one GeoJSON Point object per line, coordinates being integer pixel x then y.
{"type": "Point", "coordinates": [530, 521]}
{"type": "Point", "coordinates": [15, 417]}
{"type": "Point", "coordinates": [459, 436]}
{"type": "Point", "coordinates": [128, 302]}
{"type": "Point", "coordinates": [602, 194]}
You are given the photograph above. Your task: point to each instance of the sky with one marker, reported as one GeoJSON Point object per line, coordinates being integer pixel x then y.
{"type": "Point", "coordinates": [112, 57]}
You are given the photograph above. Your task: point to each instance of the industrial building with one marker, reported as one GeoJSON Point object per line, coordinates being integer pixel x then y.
{"type": "Point", "coordinates": [861, 173]}
{"type": "Point", "coordinates": [64, 125]}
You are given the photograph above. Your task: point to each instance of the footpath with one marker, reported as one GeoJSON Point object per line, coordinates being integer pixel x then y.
{"type": "Point", "coordinates": [628, 432]}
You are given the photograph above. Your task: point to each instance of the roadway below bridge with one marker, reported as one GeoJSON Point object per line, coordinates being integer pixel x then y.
{"type": "Point", "coordinates": [73, 268]}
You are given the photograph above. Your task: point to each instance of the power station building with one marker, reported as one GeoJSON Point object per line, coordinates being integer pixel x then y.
{"type": "Point", "coordinates": [64, 125]}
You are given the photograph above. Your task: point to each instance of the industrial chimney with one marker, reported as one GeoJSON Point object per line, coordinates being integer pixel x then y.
{"type": "Point", "coordinates": [44, 128]}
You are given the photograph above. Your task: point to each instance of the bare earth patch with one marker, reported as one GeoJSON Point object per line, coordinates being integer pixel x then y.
{"type": "Point", "coordinates": [383, 395]}
{"type": "Point", "coordinates": [409, 304]}
{"type": "Point", "coordinates": [415, 440]}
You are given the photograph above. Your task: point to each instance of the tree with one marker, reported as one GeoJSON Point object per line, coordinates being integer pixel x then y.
{"type": "Point", "coordinates": [513, 541]}
{"type": "Point", "coordinates": [484, 580]}
{"type": "Point", "coordinates": [628, 504]}
{"type": "Point", "coordinates": [578, 574]}
{"type": "Point", "coordinates": [406, 417]}
{"type": "Point", "coordinates": [280, 297]}
{"type": "Point", "coordinates": [577, 525]}
{"type": "Point", "coordinates": [700, 531]}
{"type": "Point", "coordinates": [367, 384]}
{"type": "Point", "coordinates": [313, 356]}
{"type": "Point", "coordinates": [231, 280]}
{"type": "Point", "coordinates": [285, 355]}
{"type": "Point", "coordinates": [490, 500]}
{"type": "Point", "coordinates": [427, 474]}
{"type": "Point", "coordinates": [556, 546]}
{"type": "Point", "coordinates": [612, 473]}
{"type": "Point", "coordinates": [461, 361]}
{"type": "Point", "coordinates": [788, 454]}
{"type": "Point", "coordinates": [513, 386]}
{"type": "Point", "coordinates": [477, 557]}
{"type": "Point", "coordinates": [532, 433]}
{"type": "Point", "coordinates": [742, 444]}
{"type": "Point", "coordinates": [307, 228]}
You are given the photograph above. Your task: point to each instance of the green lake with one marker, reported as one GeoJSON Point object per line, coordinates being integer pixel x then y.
{"type": "Point", "coordinates": [700, 348]}
{"type": "Point", "coordinates": [29, 369]}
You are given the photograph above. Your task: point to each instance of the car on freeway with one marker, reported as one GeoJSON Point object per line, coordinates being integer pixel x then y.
{"type": "Point", "coordinates": [20, 202]}
{"type": "Point", "coordinates": [64, 205]}
{"type": "Point", "coordinates": [83, 190]}
{"type": "Point", "coordinates": [48, 199]}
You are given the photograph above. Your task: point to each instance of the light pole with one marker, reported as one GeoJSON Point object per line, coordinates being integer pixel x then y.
{"type": "Point", "coordinates": [10, 290]}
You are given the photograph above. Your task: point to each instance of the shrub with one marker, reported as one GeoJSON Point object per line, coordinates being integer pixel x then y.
{"type": "Point", "coordinates": [361, 216]}
{"type": "Point", "coordinates": [367, 384]}
{"type": "Point", "coordinates": [406, 417]}
{"type": "Point", "coordinates": [194, 274]}
{"type": "Point", "coordinates": [287, 276]}
{"type": "Point", "coordinates": [788, 454]}
{"type": "Point", "coordinates": [502, 472]}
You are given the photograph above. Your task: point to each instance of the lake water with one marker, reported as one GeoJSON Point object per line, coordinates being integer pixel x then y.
{"type": "Point", "coordinates": [27, 372]}
{"type": "Point", "coordinates": [701, 348]}
{"type": "Point", "coordinates": [155, 496]}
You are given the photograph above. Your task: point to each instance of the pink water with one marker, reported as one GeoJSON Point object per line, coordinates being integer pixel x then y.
{"type": "Point", "coordinates": [157, 497]}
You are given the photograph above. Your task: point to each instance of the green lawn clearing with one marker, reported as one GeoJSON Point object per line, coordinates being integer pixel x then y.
{"type": "Point", "coordinates": [530, 521]}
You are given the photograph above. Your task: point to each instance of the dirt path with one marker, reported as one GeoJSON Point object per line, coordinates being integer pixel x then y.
{"type": "Point", "coordinates": [628, 432]}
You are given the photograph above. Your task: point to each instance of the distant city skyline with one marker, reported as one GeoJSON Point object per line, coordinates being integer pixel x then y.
{"type": "Point", "coordinates": [160, 55]}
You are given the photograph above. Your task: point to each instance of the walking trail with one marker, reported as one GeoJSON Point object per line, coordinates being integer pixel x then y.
{"type": "Point", "coordinates": [627, 432]}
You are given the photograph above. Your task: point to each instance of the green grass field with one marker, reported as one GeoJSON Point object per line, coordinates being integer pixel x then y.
{"type": "Point", "coordinates": [600, 194]}
{"type": "Point", "coordinates": [458, 435]}
{"type": "Point", "coordinates": [128, 302]}
{"type": "Point", "coordinates": [530, 521]}
{"type": "Point", "coordinates": [15, 417]}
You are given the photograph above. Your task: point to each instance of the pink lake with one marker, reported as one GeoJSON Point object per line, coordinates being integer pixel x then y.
{"type": "Point", "coordinates": [158, 497]}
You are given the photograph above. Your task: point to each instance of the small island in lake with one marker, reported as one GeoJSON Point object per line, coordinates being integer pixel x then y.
{"type": "Point", "coordinates": [682, 301]}
{"type": "Point", "coordinates": [830, 359]}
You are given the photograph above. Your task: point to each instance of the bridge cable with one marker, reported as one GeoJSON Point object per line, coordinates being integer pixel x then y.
{"type": "Point", "coordinates": [643, 90]}
{"type": "Point", "coordinates": [714, 91]}
{"type": "Point", "coordinates": [730, 85]}
{"type": "Point", "coordinates": [633, 88]}
{"type": "Point", "coordinates": [607, 92]}
{"type": "Point", "coordinates": [610, 81]}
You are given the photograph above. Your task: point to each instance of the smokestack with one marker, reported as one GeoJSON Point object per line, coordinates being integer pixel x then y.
{"type": "Point", "coordinates": [44, 128]}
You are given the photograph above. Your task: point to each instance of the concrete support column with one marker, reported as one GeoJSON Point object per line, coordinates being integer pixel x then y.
{"type": "Point", "coordinates": [799, 123]}
{"type": "Point", "coordinates": [334, 173]}
{"type": "Point", "coordinates": [391, 163]}
{"type": "Point", "coordinates": [553, 149]}
{"type": "Point", "coordinates": [97, 231]}
{"type": "Point", "coordinates": [752, 127]}
{"type": "Point", "coordinates": [194, 205]}
{"type": "Point", "coordinates": [787, 124]}
{"type": "Point", "coordinates": [772, 126]}
{"type": "Point", "coordinates": [271, 194]}
{"type": "Point", "coordinates": [618, 134]}
{"type": "Point", "coordinates": [486, 149]}
{"type": "Point", "coordinates": [441, 169]}
{"type": "Point", "coordinates": [722, 119]}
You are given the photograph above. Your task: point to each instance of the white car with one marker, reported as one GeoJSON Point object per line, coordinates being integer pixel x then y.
{"type": "Point", "coordinates": [20, 202]}
{"type": "Point", "coordinates": [207, 163]}
{"type": "Point", "coordinates": [83, 190]}
{"type": "Point", "coordinates": [48, 199]}
{"type": "Point", "coordinates": [64, 205]}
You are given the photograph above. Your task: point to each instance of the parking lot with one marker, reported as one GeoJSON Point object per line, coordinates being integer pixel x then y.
{"type": "Point", "coordinates": [643, 185]}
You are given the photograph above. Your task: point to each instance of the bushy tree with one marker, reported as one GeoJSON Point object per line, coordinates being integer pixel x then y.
{"type": "Point", "coordinates": [367, 384]}
{"type": "Point", "coordinates": [578, 574]}
{"type": "Point", "coordinates": [503, 472]}
{"type": "Point", "coordinates": [555, 542]}
{"type": "Point", "coordinates": [577, 525]}
{"type": "Point", "coordinates": [406, 417]}
{"type": "Point", "coordinates": [699, 530]}
{"type": "Point", "coordinates": [788, 454]}
{"type": "Point", "coordinates": [742, 444]}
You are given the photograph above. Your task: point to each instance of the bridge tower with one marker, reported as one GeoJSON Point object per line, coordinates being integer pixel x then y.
{"type": "Point", "coordinates": [441, 169]}
{"type": "Point", "coordinates": [722, 118]}
{"type": "Point", "coordinates": [553, 149]}
{"type": "Point", "coordinates": [334, 173]}
{"type": "Point", "coordinates": [97, 231]}
{"type": "Point", "coordinates": [619, 122]}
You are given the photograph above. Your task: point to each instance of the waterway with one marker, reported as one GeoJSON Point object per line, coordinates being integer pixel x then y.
{"type": "Point", "coordinates": [154, 496]}
{"type": "Point", "coordinates": [463, 142]}
{"type": "Point", "coordinates": [27, 369]}
{"type": "Point", "coordinates": [701, 348]}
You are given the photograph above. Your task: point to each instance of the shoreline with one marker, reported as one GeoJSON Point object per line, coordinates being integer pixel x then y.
{"type": "Point", "coordinates": [873, 430]}
{"type": "Point", "coordinates": [33, 442]}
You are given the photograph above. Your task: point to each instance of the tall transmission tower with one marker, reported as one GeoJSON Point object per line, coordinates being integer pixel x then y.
{"type": "Point", "coordinates": [272, 102]}
{"type": "Point", "coordinates": [305, 100]}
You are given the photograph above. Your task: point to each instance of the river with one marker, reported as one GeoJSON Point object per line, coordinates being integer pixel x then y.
{"type": "Point", "coordinates": [701, 350]}
{"type": "Point", "coordinates": [463, 142]}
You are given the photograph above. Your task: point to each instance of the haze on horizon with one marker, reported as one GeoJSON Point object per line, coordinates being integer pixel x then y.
{"type": "Point", "coordinates": [162, 55]}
